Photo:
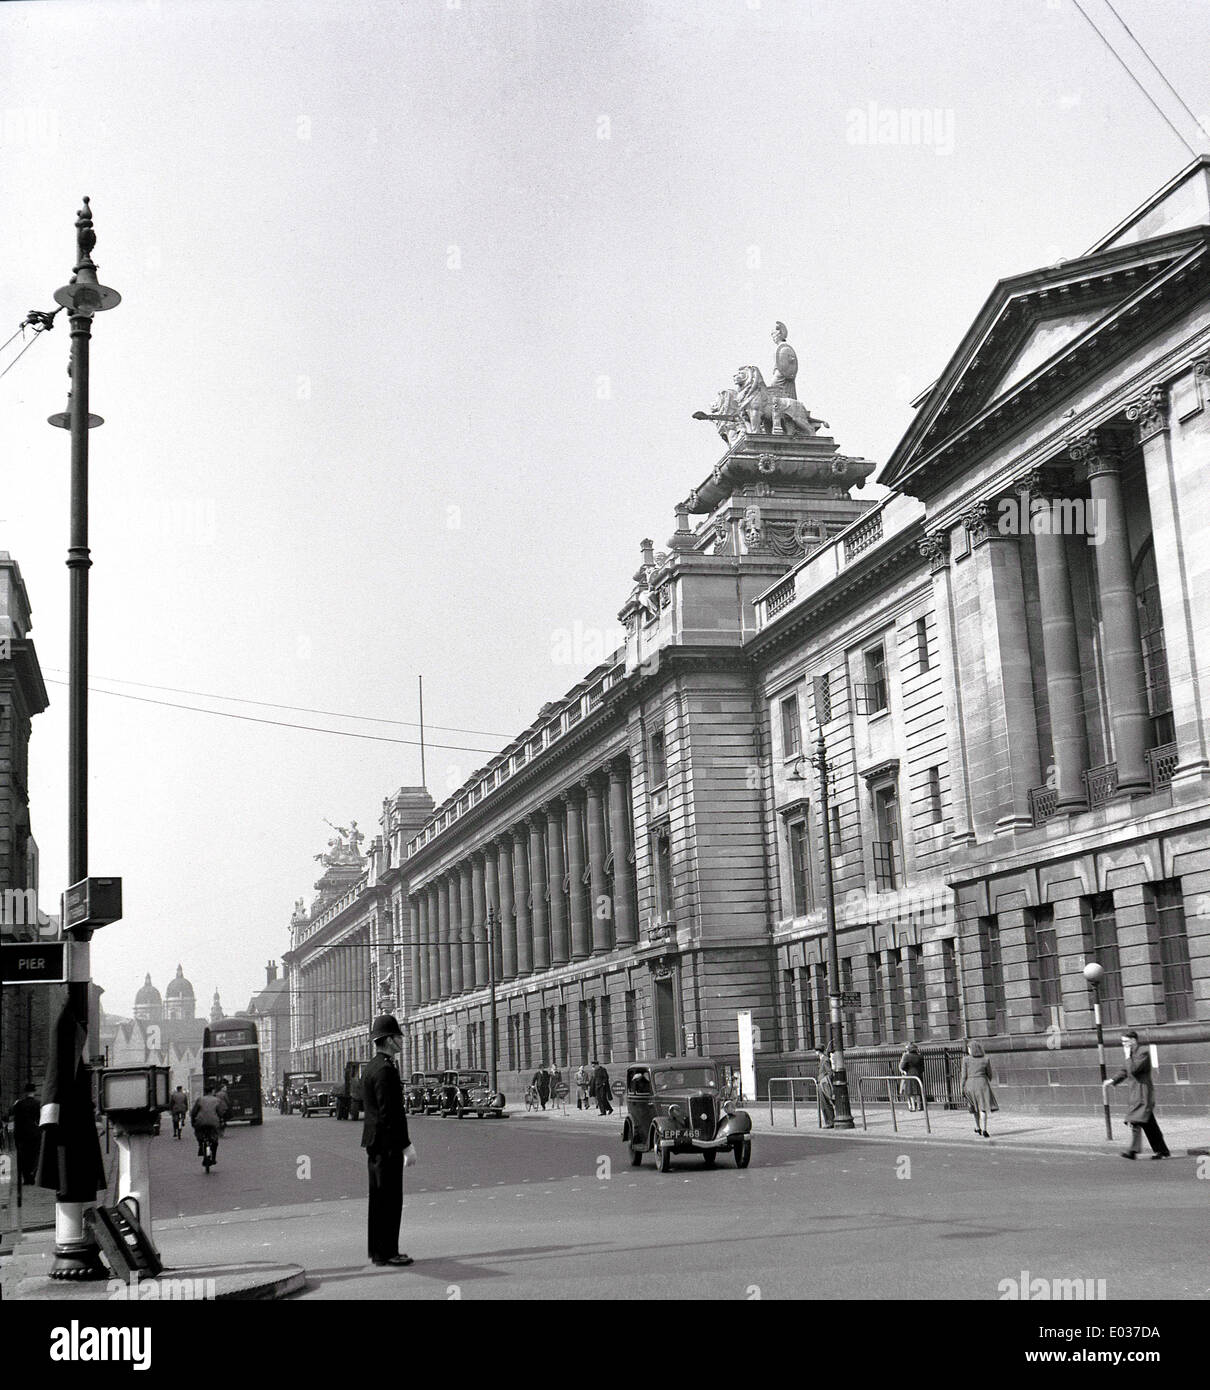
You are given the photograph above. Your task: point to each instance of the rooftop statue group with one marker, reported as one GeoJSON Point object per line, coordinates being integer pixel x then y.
{"type": "Point", "coordinates": [757, 407]}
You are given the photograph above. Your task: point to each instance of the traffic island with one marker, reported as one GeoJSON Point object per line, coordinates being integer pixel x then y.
{"type": "Point", "coordinates": [27, 1277]}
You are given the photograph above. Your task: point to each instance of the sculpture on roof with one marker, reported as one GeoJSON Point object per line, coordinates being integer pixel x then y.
{"type": "Point", "coordinates": [759, 408]}
{"type": "Point", "coordinates": [785, 363]}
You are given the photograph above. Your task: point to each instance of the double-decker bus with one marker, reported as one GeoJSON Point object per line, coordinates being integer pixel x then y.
{"type": "Point", "coordinates": [231, 1055]}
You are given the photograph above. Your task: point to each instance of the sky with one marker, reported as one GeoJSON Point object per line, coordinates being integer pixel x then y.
{"type": "Point", "coordinates": [417, 302]}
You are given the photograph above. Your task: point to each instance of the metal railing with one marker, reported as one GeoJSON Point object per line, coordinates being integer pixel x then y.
{"type": "Point", "coordinates": [1161, 764]}
{"type": "Point", "coordinates": [1043, 803]}
{"type": "Point", "coordinates": [891, 1081]}
{"type": "Point", "coordinates": [791, 1081]}
{"type": "Point", "coordinates": [1100, 783]}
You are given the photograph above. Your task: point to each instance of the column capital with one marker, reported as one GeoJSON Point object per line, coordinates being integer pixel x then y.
{"type": "Point", "coordinates": [935, 548]}
{"type": "Point", "coordinates": [571, 795]}
{"type": "Point", "coordinates": [1149, 411]}
{"type": "Point", "coordinates": [1097, 450]}
{"type": "Point", "coordinates": [980, 521]}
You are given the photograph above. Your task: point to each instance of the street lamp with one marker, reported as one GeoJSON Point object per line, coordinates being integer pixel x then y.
{"type": "Point", "coordinates": [1094, 974]}
{"type": "Point", "coordinates": [843, 1118]}
{"type": "Point", "coordinates": [491, 984]}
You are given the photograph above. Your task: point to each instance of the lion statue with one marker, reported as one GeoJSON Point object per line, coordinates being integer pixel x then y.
{"type": "Point", "coordinates": [725, 413]}
{"type": "Point", "coordinates": [761, 411]}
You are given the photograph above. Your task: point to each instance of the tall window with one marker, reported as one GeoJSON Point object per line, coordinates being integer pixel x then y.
{"type": "Point", "coordinates": [922, 644]}
{"type": "Point", "coordinates": [1155, 657]}
{"type": "Point", "coordinates": [879, 1022]}
{"type": "Point", "coordinates": [564, 1053]}
{"type": "Point", "coordinates": [1046, 963]}
{"type": "Point", "coordinates": [662, 846]}
{"type": "Point", "coordinates": [632, 1024]}
{"type": "Point", "coordinates": [823, 1015]}
{"type": "Point", "coordinates": [528, 1049]}
{"type": "Point", "coordinates": [894, 979]}
{"type": "Point", "coordinates": [993, 974]}
{"type": "Point", "coordinates": [791, 728]}
{"type": "Point", "coordinates": [1101, 945]}
{"type": "Point", "coordinates": [1171, 938]}
{"type": "Point", "coordinates": [949, 980]}
{"type": "Point", "coordinates": [872, 694]}
{"type": "Point", "coordinates": [585, 1032]}
{"type": "Point", "coordinates": [793, 1030]}
{"type": "Point", "coordinates": [846, 987]}
{"type": "Point", "coordinates": [913, 965]}
{"type": "Point", "coordinates": [606, 1028]}
{"type": "Point", "coordinates": [800, 868]}
{"type": "Point", "coordinates": [659, 759]}
{"type": "Point", "coordinates": [888, 852]}
{"type": "Point", "coordinates": [933, 802]}
{"type": "Point", "coordinates": [806, 1011]}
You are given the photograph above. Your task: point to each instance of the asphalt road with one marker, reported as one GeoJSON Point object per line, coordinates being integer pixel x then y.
{"type": "Point", "coordinates": [537, 1207]}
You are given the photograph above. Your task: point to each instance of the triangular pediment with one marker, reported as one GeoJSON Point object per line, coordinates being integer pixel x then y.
{"type": "Point", "coordinates": [1033, 333]}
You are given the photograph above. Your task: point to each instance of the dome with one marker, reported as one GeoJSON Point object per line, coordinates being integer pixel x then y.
{"type": "Point", "coordinates": [148, 994]}
{"type": "Point", "coordinates": [179, 987]}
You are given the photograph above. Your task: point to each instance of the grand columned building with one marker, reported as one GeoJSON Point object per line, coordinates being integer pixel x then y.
{"type": "Point", "coordinates": [1003, 654]}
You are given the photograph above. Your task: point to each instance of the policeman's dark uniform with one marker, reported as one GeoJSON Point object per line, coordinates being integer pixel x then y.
{"type": "Point", "coordinates": [384, 1137]}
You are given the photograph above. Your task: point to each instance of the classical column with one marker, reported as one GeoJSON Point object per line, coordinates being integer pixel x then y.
{"type": "Point", "coordinates": [1175, 485]}
{"type": "Point", "coordinates": [466, 926]}
{"type": "Point", "coordinates": [422, 975]}
{"type": "Point", "coordinates": [539, 916]}
{"type": "Point", "coordinates": [1006, 659]}
{"type": "Point", "coordinates": [525, 930]}
{"type": "Point", "coordinates": [1100, 453]}
{"type": "Point", "coordinates": [454, 930]}
{"type": "Point", "coordinates": [412, 995]}
{"type": "Point", "coordinates": [1064, 689]}
{"type": "Point", "coordinates": [580, 939]}
{"type": "Point", "coordinates": [555, 823]}
{"type": "Point", "coordinates": [435, 939]}
{"type": "Point", "coordinates": [479, 921]}
{"type": "Point", "coordinates": [443, 937]}
{"type": "Point", "coordinates": [600, 905]}
{"type": "Point", "coordinates": [624, 908]}
{"type": "Point", "coordinates": [506, 963]}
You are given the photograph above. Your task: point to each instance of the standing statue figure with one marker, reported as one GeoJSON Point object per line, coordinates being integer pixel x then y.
{"type": "Point", "coordinates": [785, 364]}
{"type": "Point", "coordinates": [355, 838]}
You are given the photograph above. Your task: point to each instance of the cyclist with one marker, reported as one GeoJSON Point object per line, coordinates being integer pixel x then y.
{"type": "Point", "coordinates": [206, 1115]}
{"type": "Point", "coordinates": [224, 1106]}
{"type": "Point", "coordinates": [179, 1104]}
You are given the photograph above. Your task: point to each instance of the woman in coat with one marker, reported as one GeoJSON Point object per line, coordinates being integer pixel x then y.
{"type": "Point", "coordinates": [912, 1064]}
{"type": "Point", "coordinates": [977, 1085]}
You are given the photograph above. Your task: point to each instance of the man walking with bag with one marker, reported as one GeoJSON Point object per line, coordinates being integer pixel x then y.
{"type": "Point", "coordinates": [384, 1137]}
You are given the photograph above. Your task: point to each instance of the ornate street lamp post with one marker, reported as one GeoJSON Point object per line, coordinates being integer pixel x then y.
{"type": "Point", "coordinates": [491, 983]}
{"type": "Point", "coordinates": [1094, 974]}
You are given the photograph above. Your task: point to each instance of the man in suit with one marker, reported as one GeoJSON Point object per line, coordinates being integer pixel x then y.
{"type": "Point", "coordinates": [1141, 1115]}
{"type": "Point", "coordinates": [384, 1137]}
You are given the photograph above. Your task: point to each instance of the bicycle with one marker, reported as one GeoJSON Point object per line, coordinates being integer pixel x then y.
{"type": "Point", "coordinates": [178, 1123]}
{"type": "Point", "coordinates": [533, 1101]}
{"type": "Point", "coordinates": [209, 1150]}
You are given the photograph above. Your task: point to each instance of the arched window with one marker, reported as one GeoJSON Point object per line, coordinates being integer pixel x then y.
{"type": "Point", "coordinates": [1155, 659]}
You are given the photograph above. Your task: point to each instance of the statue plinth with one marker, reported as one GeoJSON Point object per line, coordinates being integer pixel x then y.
{"type": "Point", "coordinates": [784, 464]}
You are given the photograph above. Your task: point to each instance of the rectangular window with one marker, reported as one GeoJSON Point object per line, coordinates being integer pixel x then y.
{"type": "Point", "coordinates": [806, 1013]}
{"type": "Point", "coordinates": [632, 1024]}
{"type": "Point", "coordinates": [850, 1013]}
{"type": "Point", "coordinates": [898, 1013]}
{"type": "Point", "coordinates": [512, 1045]}
{"type": "Point", "coordinates": [800, 868]}
{"type": "Point", "coordinates": [1171, 939]}
{"type": "Point", "coordinates": [790, 1011]}
{"type": "Point", "coordinates": [585, 1033]}
{"type": "Point", "coordinates": [871, 695]}
{"type": "Point", "coordinates": [528, 1048]}
{"type": "Point", "coordinates": [949, 982]}
{"type": "Point", "coordinates": [922, 644]}
{"type": "Point", "coordinates": [791, 728]}
{"type": "Point", "coordinates": [878, 1015]}
{"type": "Point", "coordinates": [606, 1029]}
{"type": "Point", "coordinates": [888, 852]}
{"type": "Point", "coordinates": [1046, 964]}
{"type": "Point", "coordinates": [933, 804]}
{"type": "Point", "coordinates": [564, 1052]}
{"type": "Point", "coordinates": [823, 1011]}
{"type": "Point", "coordinates": [993, 974]}
{"type": "Point", "coordinates": [917, 1015]}
{"type": "Point", "coordinates": [1101, 945]}
{"type": "Point", "coordinates": [837, 837]}
{"type": "Point", "coordinates": [659, 759]}
{"type": "Point", "coordinates": [663, 867]}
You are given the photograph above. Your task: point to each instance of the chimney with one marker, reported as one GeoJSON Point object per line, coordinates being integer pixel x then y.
{"type": "Point", "coordinates": [270, 972]}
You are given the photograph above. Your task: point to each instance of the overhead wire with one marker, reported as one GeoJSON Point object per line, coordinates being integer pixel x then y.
{"type": "Point", "coordinates": [1159, 71]}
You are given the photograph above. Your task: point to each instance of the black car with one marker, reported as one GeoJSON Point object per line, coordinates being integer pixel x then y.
{"type": "Point", "coordinates": [420, 1092]}
{"type": "Point", "coordinates": [467, 1092]}
{"type": "Point", "coordinates": [675, 1106]}
{"type": "Point", "coordinates": [319, 1097]}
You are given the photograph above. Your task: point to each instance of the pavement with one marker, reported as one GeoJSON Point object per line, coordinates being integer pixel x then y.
{"type": "Point", "coordinates": [543, 1204]}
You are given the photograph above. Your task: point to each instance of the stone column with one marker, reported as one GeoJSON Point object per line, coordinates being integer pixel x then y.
{"type": "Point", "coordinates": [539, 918]}
{"type": "Point", "coordinates": [491, 899]}
{"type": "Point", "coordinates": [1176, 489]}
{"type": "Point", "coordinates": [1064, 689]}
{"type": "Point", "coordinates": [1007, 665]}
{"type": "Point", "coordinates": [600, 905]}
{"type": "Point", "coordinates": [936, 550]}
{"type": "Point", "coordinates": [435, 938]}
{"type": "Point", "coordinates": [525, 931]}
{"type": "Point", "coordinates": [625, 916]}
{"type": "Point", "coordinates": [443, 937]}
{"type": "Point", "coordinates": [507, 960]}
{"type": "Point", "coordinates": [466, 926]}
{"type": "Point", "coordinates": [454, 931]}
{"type": "Point", "coordinates": [422, 977]}
{"type": "Point", "coordinates": [559, 942]}
{"type": "Point", "coordinates": [1100, 453]}
{"type": "Point", "coordinates": [580, 929]}
{"type": "Point", "coordinates": [479, 921]}
{"type": "Point", "coordinates": [412, 996]}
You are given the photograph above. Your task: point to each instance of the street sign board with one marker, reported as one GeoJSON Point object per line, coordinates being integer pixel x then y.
{"type": "Point", "coordinates": [34, 962]}
{"type": "Point", "coordinates": [850, 999]}
{"type": "Point", "coordinates": [93, 902]}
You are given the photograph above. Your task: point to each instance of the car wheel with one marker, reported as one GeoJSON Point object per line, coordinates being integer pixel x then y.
{"type": "Point", "coordinates": [460, 1112]}
{"type": "Point", "coordinates": [743, 1154]}
{"type": "Point", "coordinates": [708, 1158]}
{"type": "Point", "coordinates": [636, 1157]}
{"type": "Point", "coordinates": [663, 1158]}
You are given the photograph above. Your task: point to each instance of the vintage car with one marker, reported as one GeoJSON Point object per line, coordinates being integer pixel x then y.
{"type": "Point", "coordinates": [319, 1097]}
{"type": "Point", "coordinates": [420, 1092]}
{"type": "Point", "coordinates": [465, 1092]}
{"type": "Point", "coordinates": [675, 1106]}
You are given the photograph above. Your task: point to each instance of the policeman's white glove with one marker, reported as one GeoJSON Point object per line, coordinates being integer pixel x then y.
{"type": "Point", "coordinates": [48, 1115]}
{"type": "Point", "coordinates": [409, 1156]}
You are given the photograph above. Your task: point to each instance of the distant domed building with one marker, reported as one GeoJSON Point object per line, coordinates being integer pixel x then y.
{"type": "Point", "coordinates": [180, 1004]}
{"type": "Point", "coordinates": [148, 1004]}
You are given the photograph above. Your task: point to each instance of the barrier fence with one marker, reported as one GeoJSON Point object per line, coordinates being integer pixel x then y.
{"type": "Point", "coordinates": [793, 1081]}
{"type": "Point", "coordinates": [893, 1083]}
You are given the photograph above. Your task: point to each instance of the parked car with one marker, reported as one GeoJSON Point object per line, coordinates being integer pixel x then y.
{"type": "Point", "coordinates": [467, 1091]}
{"type": "Point", "coordinates": [675, 1106]}
{"type": "Point", "coordinates": [420, 1092]}
{"type": "Point", "coordinates": [320, 1096]}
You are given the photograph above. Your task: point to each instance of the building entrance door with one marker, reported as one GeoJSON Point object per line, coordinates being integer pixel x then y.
{"type": "Point", "coordinates": [665, 1019]}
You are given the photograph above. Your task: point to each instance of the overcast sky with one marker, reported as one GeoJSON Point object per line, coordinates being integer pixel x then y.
{"type": "Point", "coordinates": [418, 299]}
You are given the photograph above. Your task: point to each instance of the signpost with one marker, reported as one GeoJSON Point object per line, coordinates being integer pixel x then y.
{"type": "Point", "coordinates": [93, 902]}
{"type": "Point", "coordinates": [35, 962]}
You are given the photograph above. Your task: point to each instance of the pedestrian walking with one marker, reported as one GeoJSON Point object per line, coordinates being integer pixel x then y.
{"type": "Point", "coordinates": [912, 1064]}
{"type": "Point", "coordinates": [1141, 1115]}
{"type": "Point", "coordinates": [384, 1137]}
{"type": "Point", "coordinates": [23, 1115]}
{"type": "Point", "coordinates": [542, 1085]}
{"type": "Point", "coordinates": [556, 1080]}
{"type": "Point", "coordinates": [601, 1088]}
{"type": "Point", "coordinates": [827, 1089]}
{"type": "Point", "coordinates": [583, 1086]}
{"type": "Point", "coordinates": [976, 1082]}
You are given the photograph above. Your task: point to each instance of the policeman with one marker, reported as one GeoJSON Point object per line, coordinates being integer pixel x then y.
{"type": "Point", "coordinates": [384, 1137]}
